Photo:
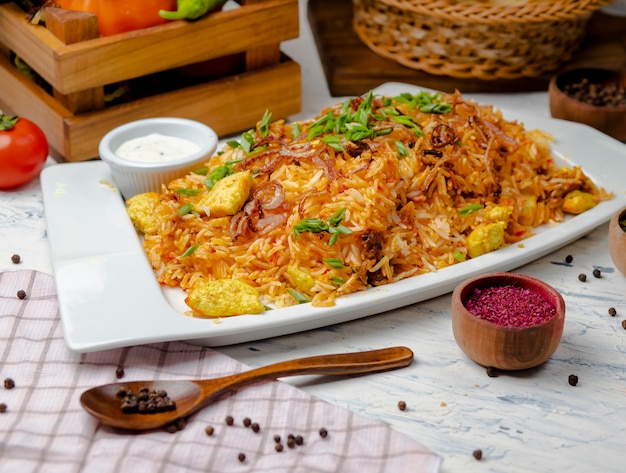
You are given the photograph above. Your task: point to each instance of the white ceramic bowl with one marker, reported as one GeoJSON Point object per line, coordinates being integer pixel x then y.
{"type": "Point", "coordinates": [137, 177]}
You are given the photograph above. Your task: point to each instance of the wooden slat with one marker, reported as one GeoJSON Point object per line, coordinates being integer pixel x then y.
{"type": "Point", "coordinates": [107, 60]}
{"type": "Point", "coordinates": [228, 105]}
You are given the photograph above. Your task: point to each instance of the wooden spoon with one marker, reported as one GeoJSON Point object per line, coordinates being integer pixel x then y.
{"type": "Point", "coordinates": [104, 403]}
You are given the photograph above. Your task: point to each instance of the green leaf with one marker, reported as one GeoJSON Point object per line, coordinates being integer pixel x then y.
{"type": "Point", "coordinates": [470, 209]}
{"type": "Point", "coordinates": [188, 192]}
{"type": "Point", "coordinates": [190, 250]}
{"type": "Point", "coordinates": [264, 125]}
{"type": "Point", "coordinates": [299, 297]}
{"type": "Point", "coordinates": [334, 263]}
{"type": "Point", "coordinates": [185, 209]}
{"type": "Point", "coordinates": [337, 280]}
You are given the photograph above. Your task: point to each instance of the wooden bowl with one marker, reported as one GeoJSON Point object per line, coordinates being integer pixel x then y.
{"type": "Point", "coordinates": [617, 240]}
{"type": "Point", "coordinates": [494, 345]}
{"type": "Point", "coordinates": [609, 119]}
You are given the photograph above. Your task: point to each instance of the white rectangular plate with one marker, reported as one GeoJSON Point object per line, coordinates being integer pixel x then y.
{"type": "Point", "coordinates": [109, 296]}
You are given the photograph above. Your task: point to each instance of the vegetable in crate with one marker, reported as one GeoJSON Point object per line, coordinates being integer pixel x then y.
{"type": "Point", "coordinates": [119, 16]}
{"type": "Point", "coordinates": [192, 9]}
{"type": "Point", "coordinates": [23, 151]}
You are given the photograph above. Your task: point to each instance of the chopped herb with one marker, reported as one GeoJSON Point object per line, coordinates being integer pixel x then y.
{"type": "Point", "coordinates": [190, 250]}
{"type": "Point", "coordinates": [458, 255]}
{"type": "Point", "coordinates": [337, 217]}
{"type": "Point", "coordinates": [334, 263]}
{"type": "Point", "coordinates": [470, 209]}
{"type": "Point", "coordinates": [440, 107]}
{"type": "Point", "coordinates": [186, 191]}
{"type": "Point", "coordinates": [247, 140]}
{"type": "Point", "coordinates": [264, 125]}
{"type": "Point", "coordinates": [316, 225]}
{"type": "Point", "coordinates": [185, 209]}
{"type": "Point", "coordinates": [337, 281]}
{"type": "Point", "coordinates": [203, 171]}
{"type": "Point", "coordinates": [296, 130]}
{"type": "Point", "coordinates": [402, 151]}
{"type": "Point", "coordinates": [334, 142]}
{"type": "Point", "coordinates": [299, 297]}
{"type": "Point", "coordinates": [220, 172]}
{"type": "Point", "coordinates": [233, 144]}
{"type": "Point", "coordinates": [313, 225]}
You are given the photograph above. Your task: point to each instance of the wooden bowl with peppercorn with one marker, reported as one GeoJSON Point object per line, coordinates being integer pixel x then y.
{"type": "Point", "coordinates": [507, 321]}
{"type": "Point", "coordinates": [593, 96]}
{"type": "Point", "coordinates": [617, 240]}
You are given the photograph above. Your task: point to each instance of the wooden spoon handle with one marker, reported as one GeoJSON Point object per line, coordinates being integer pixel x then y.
{"type": "Point", "coordinates": [336, 364]}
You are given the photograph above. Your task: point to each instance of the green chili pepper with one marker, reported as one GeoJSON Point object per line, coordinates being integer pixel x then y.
{"type": "Point", "coordinates": [191, 9]}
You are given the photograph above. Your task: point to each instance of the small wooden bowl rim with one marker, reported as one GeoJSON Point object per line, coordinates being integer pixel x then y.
{"type": "Point", "coordinates": [555, 88]}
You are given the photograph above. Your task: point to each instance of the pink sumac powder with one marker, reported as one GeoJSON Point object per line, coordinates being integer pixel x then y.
{"type": "Point", "coordinates": [510, 305]}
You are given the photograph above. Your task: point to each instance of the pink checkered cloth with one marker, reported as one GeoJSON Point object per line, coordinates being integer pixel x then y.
{"type": "Point", "coordinates": [44, 428]}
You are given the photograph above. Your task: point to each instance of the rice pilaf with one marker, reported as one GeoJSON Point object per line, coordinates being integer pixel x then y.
{"type": "Point", "coordinates": [372, 191]}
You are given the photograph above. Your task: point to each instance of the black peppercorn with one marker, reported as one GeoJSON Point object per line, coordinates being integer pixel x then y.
{"type": "Point", "coordinates": [3, 408]}
{"type": "Point", "coordinates": [299, 440]}
{"type": "Point", "coordinates": [401, 405]}
{"type": "Point", "coordinates": [15, 259]}
{"type": "Point", "coordinates": [572, 379]}
{"type": "Point", "coordinates": [323, 432]}
{"type": "Point", "coordinates": [597, 273]}
{"type": "Point", "coordinates": [119, 372]}
{"type": "Point", "coordinates": [492, 372]}
{"type": "Point", "coordinates": [582, 277]}
{"type": "Point", "coordinates": [277, 438]}
{"type": "Point", "coordinates": [624, 324]}
{"type": "Point", "coordinates": [229, 420]}
{"type": "Point", "coordinates": [209, 430]}
{"type": "Point", "coordinates": [278, 447]}
{"type": "Point", "coordinates": [569, 259]}
{"type": "Point", "coordinates": [21, 294]}
{"type": "Point", "coordinates": [477, 454]}
{"type": "Point", "coordinates": [612, 311]}
{"type": "Point", "coordinates": [255, 427]}
{"type": "Point", "coordinates": [247, 422]}
{"type": "Point", "coordinates": [241, 457]}
{"type": "Point", "coordinates": [9, 383]}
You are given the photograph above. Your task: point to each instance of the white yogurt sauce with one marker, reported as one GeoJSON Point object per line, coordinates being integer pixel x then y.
{"type": "Point", "coordinates": [155, 148]}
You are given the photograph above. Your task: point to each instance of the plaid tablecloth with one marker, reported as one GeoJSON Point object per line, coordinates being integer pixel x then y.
{"type": "Point", "coordinates": [43, 427]}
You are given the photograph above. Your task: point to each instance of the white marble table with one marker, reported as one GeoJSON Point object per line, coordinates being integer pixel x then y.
{"type": "Point", "coordinates": [527, 421]}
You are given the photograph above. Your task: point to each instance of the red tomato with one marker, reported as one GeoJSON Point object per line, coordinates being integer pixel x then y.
{"type": "Point", "coordinates": [23, 151]}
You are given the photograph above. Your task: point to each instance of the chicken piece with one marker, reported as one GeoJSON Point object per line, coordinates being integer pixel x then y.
{"type": "Point", "coordinates": [224, 298]}
{"type": "Point", "coordinates": [577, 202]}
{"type": "Point", "coordinates": [485, 238]}
{"type": "Point", "coordinates": [227, 196]}
{"type": "Point", "coordinates": [301, 280]}
{"type": "Point", "coordinates": [529, 209]}
{"type": "Point", "coordinates": [498, 213]}
{"type": "Point", "coordinates": [141, 211]}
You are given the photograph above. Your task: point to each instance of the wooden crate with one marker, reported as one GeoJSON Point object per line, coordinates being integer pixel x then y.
{"type": "Point", "coordinates": [73, 113]}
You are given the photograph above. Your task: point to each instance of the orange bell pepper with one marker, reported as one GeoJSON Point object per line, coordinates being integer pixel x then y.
{"type": "Point", "coordinates": [119, 16]}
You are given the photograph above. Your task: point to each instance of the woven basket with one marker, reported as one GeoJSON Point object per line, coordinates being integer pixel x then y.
{"type": "Point", "coordinates": [475, 39]}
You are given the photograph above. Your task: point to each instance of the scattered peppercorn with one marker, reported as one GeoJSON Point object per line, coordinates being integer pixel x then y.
{"type": "Point", "coordinates": [241, 457]}
{"type": "Point", "coordinates": [255, 427]}
{"type": "Point", "coordinates": [478, 454]}
{"type": "Point", "coordinates": [15, 259]}
{"type": "Point", "coordinates": [299, 440]}
{"type": "Point", "coordinates": [277, 438]}
{"type": "Point", "coordinates": [247, 422]}
{"type": "Point", "coordinates": [323, 432]}
{"type": "Point", "coordinates": [572, 379]}
{"type": "Point", "coordinates": [278, 447]}
{"type": "Point", "coordinates": [9, 383]}
{"type": "Point", "coordinates": [401, 405]}
{"type": "Point", "coordinates": [492, 372]}
{"type": "Point", "coordinates": [291, 441]}
{"type": "Point", "coordinates": [624, 324]}
{"type": "Point", "coordinates": [209, 430]}
{"type": "Point", "coordinates": [582, 277]}
{"type": "Point", "coordinates": [171, 428]}
{"type": "Point", "coordinates": [180, 423]}
{"type": "Point", "coordinates": [3, 408]}
{"type": "Point", "coordinates": [119, 372]}
{"type": "Point", "coordinates": [229, 420]}
{"type": "Point", "coordinates": [569, 258]}
{"type": "Point", "coordinates": [597, 273]}
{"type": "Point", "coordinates": [21, 294]}
{"type": "Point", "coordinates": [612, 311]}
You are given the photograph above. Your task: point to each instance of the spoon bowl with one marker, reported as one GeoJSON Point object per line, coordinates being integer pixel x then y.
{"type": "Point", "coordinates": [104, 402]}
